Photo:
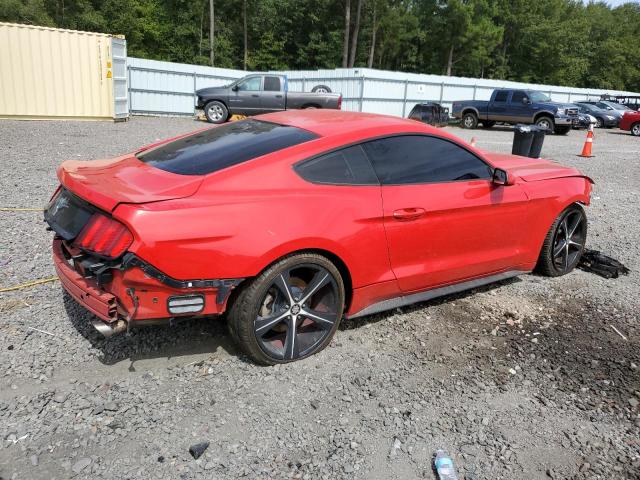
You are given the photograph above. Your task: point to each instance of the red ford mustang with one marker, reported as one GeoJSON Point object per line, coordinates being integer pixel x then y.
{"type": "Point", "coordinates": [289, 221]}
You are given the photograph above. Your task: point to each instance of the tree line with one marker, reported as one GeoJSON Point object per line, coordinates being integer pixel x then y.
{"type": "Point", "coordinates": [562, 42]}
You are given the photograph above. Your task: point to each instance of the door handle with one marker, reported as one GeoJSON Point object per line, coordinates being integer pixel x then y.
{"type": "Point", "coordinates": [278, 96]}
{"type": "Point", "coordinates": [255, 95]}
{"type": "Point", "coordinates": [407, 214]}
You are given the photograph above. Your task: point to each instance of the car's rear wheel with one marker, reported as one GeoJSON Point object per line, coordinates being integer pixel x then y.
{"type": "Point", "coordinates": [290, 311]}
{"type": "Point", "coordinates": [469, 120]}
{"type": "Point", "coordinates": [216, 112]}
{"type": "Point", "coordinates": [635, 129]}
{"type": "Point", "coordinates": [564, 243]}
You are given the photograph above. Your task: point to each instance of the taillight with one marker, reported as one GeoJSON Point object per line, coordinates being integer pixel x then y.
{"type": "Point", "coordinates": [104, 236]}
{"type": "Point", "coordinates": [340, 102]}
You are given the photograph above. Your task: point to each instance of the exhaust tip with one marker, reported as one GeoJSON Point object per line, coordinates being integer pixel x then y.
{"type": "Point", "coordinates": [108, 330]}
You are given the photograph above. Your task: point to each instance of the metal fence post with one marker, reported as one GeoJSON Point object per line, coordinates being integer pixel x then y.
{"type": "Point", "coordinates": [361, 93]}
{"type": "Point", "coordinates": [441, 91]}
{"type": "Point", "coordinates": [129, 86]}
{"type": "Point", "coordinates": [475, 87]}
{"type": "Point", "coordinates": [404, 99]}
{"type": "Point", "coordinates": [195, 97]}
{"type": "Point", "coordinates": [304, 84]}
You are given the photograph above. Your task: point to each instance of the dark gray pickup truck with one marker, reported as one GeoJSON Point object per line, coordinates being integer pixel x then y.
{"type": "Point", "coordinates": [256, 94]}
{"type": "Point", "coordinates": [517, 106]}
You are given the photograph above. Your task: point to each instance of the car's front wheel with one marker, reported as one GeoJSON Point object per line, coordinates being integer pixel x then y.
{"type": "Point", "coordinates": [290, 311]}
{"type": "Point", "coordinates": [635, 129]}
{"type": "Point", "coordinates": [216, 112]}
{"type": "Point", "coordinates": [545, 123]}
{"type": "Point", "coordinates": [599, 122]}
{"type": "Point", "coordinates": [564, 243]}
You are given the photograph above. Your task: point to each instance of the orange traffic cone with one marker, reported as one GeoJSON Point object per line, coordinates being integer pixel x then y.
{"type": "Point", "coordinates": [473, 141]}
{"type": "Point", "coordinates": [586, 150]}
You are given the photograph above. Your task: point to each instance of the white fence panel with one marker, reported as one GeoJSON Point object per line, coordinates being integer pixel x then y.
{"type": "Point", "coordinates": [169, 88]}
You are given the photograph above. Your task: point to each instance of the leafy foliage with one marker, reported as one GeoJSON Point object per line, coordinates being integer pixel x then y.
{"type": "Point", "coordinates": [566, 42]}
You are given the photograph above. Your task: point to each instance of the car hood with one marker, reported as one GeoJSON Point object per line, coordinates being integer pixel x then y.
{"type": "Point", "coordinates": [212, 91]}
{"type": "Point", "coordinates": [108, 183]}
{"type": "Point", "coordinates": [556, 105]}
{"type": "Point", "coordinates": [531, 169]}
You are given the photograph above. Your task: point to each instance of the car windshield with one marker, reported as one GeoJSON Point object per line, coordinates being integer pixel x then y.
{"type": "Point", "coordinates": [220, 147]}
{"type": "Point", "coordinates": [538, 97]}
{"type": "Point", "coordinates": [618, 106]}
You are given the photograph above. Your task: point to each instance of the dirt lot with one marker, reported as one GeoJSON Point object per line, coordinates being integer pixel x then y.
{"type": "Point", "coordinates": [526, 379]}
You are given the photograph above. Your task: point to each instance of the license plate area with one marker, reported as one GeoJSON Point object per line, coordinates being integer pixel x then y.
{"type": "Point", "coordinates": [67, 214]}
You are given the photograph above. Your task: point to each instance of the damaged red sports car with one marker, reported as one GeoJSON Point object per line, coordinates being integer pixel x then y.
{"type": "Point", "coordinates": [289, 221]}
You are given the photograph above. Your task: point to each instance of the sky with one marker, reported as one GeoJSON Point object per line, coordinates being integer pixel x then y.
{"type": "Point", "coordinates": [615, 3]}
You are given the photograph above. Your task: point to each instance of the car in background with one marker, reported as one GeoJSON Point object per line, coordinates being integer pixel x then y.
{"type": "Point", "coordinates": [631, 122]}
{"type": "Point", "coordinates": [291, 220]}
{"type": "Point", "coordinates": [610, 105]}
{"type": "Point", "coordinates": [258, 94]}
{"type": "Point", "coordinates": [604, 118]}
{"type": "Point", "coordinates": [512, 106]}
{"type": "Point", "coordinates": [583, 120]}
{"type": "Point", "coordinates": [431, 113]}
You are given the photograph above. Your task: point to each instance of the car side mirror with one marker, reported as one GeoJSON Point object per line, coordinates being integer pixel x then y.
{"type": "Point", "coordinates": [526, 101]}
{"type": "Point", "coordinates": [235, 88]}
{"type": "Point", "coordinates": [502, 177]}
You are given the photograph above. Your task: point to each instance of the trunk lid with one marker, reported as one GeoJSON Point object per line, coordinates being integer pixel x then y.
{"type": "Point", "coordinates": [107, 183]}
{"type": "Point", "coordinates": [531, 169]}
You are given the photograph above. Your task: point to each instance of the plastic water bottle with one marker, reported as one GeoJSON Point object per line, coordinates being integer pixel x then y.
{"type": "Point", "coordinates": [444, 466]}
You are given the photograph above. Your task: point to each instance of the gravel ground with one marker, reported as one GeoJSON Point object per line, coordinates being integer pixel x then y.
{"type": "Point", "coordinates": [525, 379]}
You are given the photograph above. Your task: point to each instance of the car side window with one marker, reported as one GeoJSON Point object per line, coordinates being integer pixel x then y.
{"type": "Point", "coordinates": [501, 96]}
{"type": "Point", "coordinates": [410, 159]}
{"type": "Point", "coordinates": [348, 166]}
{"type": "Point", "coordinates": [271, 84]}
{"type": "Point", "coordinates": [518, 96]}
{"type": "Point", "coordinates": [251, 84]}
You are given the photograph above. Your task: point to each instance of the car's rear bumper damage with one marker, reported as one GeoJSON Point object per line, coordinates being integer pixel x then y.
{"type": "Point", "coordinates": [130, 292]}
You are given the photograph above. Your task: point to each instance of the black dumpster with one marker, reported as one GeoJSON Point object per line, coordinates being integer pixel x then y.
{"type": "Point", "coordinates": [528, 140]}
{"type": "Point", "coordinates": [522, 140]}
{"type": "Point", "coordinates": [538, 140]}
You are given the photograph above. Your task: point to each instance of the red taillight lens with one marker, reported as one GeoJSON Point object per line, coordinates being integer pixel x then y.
{"type": "Point", "coordinates": [340, 102]}
{"type": "Point", "coordinates": [104, 236]}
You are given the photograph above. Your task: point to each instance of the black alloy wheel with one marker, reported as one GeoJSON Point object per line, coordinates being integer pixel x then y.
{"type": "Point", "coordinates": [290, 311]}
{"type": "Point", "coordinates": [564, 243]}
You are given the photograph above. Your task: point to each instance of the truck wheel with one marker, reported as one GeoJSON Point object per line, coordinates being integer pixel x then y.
{"type": "Point", "coordinates": [635, 129]}
{"type": "Point", "coordinates": [488, 123]}
{"type": "Point", "coordinates": [320, 89]}
{"type": "Point", "coordinates": [545, 122]}
{"type": "Point", "coordinates": [469, 120]}
{"type": "Point", "coordinates": [561, 130]}
{"type": "Point", "coordinates": [216, 112]}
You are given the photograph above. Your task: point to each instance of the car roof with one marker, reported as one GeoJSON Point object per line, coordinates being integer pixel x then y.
{"type": "Point", "coordinates": [327, 123]}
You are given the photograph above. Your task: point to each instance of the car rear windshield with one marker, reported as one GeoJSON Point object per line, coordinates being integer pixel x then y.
{"type": "Point", "coordinates": [221, 147]}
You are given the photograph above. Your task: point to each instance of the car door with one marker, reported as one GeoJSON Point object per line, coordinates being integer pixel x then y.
{"type": "Point", "coordinates": [445, 220]}
{"type": "Point", "coordinates": [497, 108]}
{"type": "Point", "coordinates": [519, 107]}
{"type": "Point", "coordinates": [273, 93]}
{"type": "Point", "coordinates": [244, 98]}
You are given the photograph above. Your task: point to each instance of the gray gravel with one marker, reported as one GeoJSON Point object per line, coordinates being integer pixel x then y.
{"type": "Point", "coordinates": [525, 379]}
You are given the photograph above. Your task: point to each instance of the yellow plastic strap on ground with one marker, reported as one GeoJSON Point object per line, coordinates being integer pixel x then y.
{"type": "Point", "coordinates": [11, 209]}
{"type": "Point", "coordinates": [29, 284]}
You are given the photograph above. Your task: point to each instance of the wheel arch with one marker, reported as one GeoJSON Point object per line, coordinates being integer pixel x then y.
{"type": "Point", "coordinates": [470, 110]}
{"type": "Point", "coordinates": [216, 99]}
{"type": "Point", "coordinates": [544, 113]}
{"type": "Point", "coordinates": [333, 257]}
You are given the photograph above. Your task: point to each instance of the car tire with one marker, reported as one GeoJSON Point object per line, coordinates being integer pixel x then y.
{"type": "Point", "coordinates": [545, 122]}
{"type": "Point", "coordinates": [216, 112]}
{"type": "Point", "coordinates": [599, 122]}
{"type": "Point", "coordinates": [469, 120]}
{"type": "Point", "coordinates": [635, 129]}
{"type": "Point", "coordinates": [558, 257]}
{"type": "Point", "coordinates": [268, 323]}
{"type": "Point", "coordinates": [320, 89]}
{"type": "Point", "coordinates": [562, 130]}
{"type": "Point", "coordinates": [488, 123]}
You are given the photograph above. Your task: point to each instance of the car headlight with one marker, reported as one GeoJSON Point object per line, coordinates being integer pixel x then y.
{"type": "Point", "coordinates": [610, 117]}
{"type": "Point", "coordinates": [561, 111]}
